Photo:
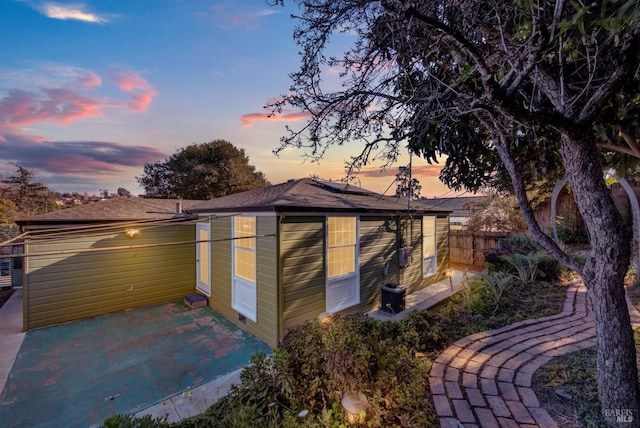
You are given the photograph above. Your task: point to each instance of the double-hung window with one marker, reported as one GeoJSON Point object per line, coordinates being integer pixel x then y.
{"type": "Point", "coordinates": [343, 277]}
{"type": "Point", "coordinates": [244, 291]}
{"type": "Point", "coordinates": [429, 246]}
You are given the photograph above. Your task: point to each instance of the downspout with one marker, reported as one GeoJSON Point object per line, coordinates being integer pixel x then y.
{"type": "Point", "coordinates": [25, 286]}
{"type": "Point", "coordinates": [280, 296]}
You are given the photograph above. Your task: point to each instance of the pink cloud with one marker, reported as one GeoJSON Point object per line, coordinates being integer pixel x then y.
{"type": "Point", "coordinates": [88, 158]}
{"type": "Point", "coordinates": [142, 92]}
{"type": "Point", "coordinates": [64, 106]}
{"type": "Point", "coordinates": [61, 99]}
{"type": "Point", "coordinates": [129, 81]}
{"type": "Point", "coordinates": [141, 102]}
{"type": "Point", "coordinates": [90, 79]}
{"type": "Point", "coordinates": [248, 120]}
{"type": "Point", "coordinates": [78, 164]}
{"type": "Point", "coordinates": [232, 13]}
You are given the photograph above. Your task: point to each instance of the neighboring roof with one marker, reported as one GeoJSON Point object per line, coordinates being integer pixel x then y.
{"type": "Point", "coordinates": [113, 210]}
{"type": "Point", "coordinates": [462, 206]}
{"type": "Point", "coordinates": [309, 195]}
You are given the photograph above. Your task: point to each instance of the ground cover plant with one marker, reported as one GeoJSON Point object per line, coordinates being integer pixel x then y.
{"type": "Point", "coordinates": [567, 385]}
{"type": "Point", "coordinates": [318, 363]}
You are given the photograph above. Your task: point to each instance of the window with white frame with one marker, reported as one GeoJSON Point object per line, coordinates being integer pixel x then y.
{"type": "Point", "coordinates": [429, 247]}
{"type": "Point", "coordinates": [244, 291]}
{"type": "Point", "coordinates": [343, 279]}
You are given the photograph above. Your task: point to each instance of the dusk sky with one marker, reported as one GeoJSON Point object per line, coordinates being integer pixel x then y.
{"type": "Point", "coordinates": [90, 91]}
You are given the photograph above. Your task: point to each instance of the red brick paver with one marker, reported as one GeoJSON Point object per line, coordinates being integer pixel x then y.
{"type": "Point", "coordinates": [484, 379]}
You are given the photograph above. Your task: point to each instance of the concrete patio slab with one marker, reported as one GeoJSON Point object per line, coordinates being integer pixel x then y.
{"type": "Point", "coordinates": [11, 334]}
{"type": "Point", "coordinates": [167, 361]}
{"type": "Point", "coordinates": [80, 373]}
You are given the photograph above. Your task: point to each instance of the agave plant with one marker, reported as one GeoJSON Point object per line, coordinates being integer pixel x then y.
{"type": "Point", "coordinates": [525, 265]}
{"type": "Point", "coordinates": [495, 283]}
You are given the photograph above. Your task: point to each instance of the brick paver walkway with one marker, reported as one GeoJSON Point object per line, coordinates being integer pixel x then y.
{"type": "Point", "coordinates": [484, 380]}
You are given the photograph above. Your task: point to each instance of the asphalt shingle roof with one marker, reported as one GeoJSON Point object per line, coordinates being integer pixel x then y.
{"type": "Point", "coordinates": [462, 206]}
{"type": "Point", "coordinates": [311, 195]}
{"type": "Point", "coordinates": [114, 209]}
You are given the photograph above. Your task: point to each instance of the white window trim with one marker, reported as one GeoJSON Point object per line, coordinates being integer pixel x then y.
{"type": "Point", "coordinates": [353, 277]}
{"type": "Point", "coordinates": [425, 272]}
{"type": "Point", "coordinates": [203, 260]}
{"type": "Point", "coordinates": [248, 310]}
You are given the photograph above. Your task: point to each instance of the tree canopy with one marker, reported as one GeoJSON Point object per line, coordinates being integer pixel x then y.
{"type": "Point", "coordinates": [29, 196]}
{"type": "Point", "coordinates": [123, 192]}
{"type": "Point", "coordinates": [201, 171]}
{"type": "Point", "coordinates": [526, 88]}
{"type": "Point", "coordinates": [8, 211]}
{"type": "Point", "coordinates": [407, 186]}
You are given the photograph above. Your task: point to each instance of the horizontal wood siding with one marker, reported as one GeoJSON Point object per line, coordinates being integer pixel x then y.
{"type": "Point", "coordinates": [303, 271]}
{"type": "Point", "coordinates": [221, 271]}
{"type": "Point", "coordinates": [381, 237]}
{"type": "Point", "coordinates": [411, 275]}
{"type": "Point", "coordinates": [77, 284]}
{"type": "Point", "coordinates": [378, 246]}
{"type": "Point", "coordinates": [443, 238]}
{"type": "Point", "coordinates": [266, 327]}
{"type": "Point", "coordinates": [267, 266]}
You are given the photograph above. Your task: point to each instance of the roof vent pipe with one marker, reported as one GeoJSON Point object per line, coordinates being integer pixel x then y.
{"type": "Point", "coordinates": [178, 207]}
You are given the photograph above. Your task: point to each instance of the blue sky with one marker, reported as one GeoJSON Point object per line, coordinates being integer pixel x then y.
{"type": "Point", "coordinates": [90, 91]}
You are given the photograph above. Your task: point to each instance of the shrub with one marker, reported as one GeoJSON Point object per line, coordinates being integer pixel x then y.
{"type": "Point", "coordinates": [522, 244]}
{"type": "Point", "coordinates": [525, 265]}
{"type": "Point", "coordinates": [130, 421]}
{"type": "Point", "coordinates": [569, 236]}
{"type": "Point", "coordinates": [495, 284]}
{"type": "Point", "coordinates": [318, 362]}
{"type": "Point", "coordinates": [251, 403]}
{"type": "Point", "coordinates": [501, 259]}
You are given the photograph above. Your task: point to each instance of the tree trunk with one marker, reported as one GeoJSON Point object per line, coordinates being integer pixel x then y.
{"type": "Point", "coordinates": [603, 275]}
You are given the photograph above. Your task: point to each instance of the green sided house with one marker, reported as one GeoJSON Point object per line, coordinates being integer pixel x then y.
{"type": "Point", "coordinates": [104, 257]}
{"type": "Point", "coordinates": [267, 259]}
{"type": "Point", "coordinates": [273, 258]}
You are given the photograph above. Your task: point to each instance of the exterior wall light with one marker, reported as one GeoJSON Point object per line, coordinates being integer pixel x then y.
{"type": "Point", "coordinates": [132, 232]}
{"type": "Point", "coordinates": [325, 318]}
{"type": "Point", "coordinates": [449, 274]}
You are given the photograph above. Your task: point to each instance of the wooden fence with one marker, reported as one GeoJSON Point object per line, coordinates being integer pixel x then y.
{"type": "Point", "coordinates": [468, 249]}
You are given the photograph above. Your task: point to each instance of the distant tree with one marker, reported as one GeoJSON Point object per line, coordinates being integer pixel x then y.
{"type": "Point", "coordinates": [29, 196]}
{"type": "Point", "coordinates": [201, 171]}
{"type": "Point", "coordinates": [123, 193]}
{"type": "Point", "coordinates": [156, 180]}
{"type": "Point", "coordinates": [407, 187]}
{"type": "Point", "coordinates": [497, 213]}
{"type": "Point", "coordinates": [8, 211]}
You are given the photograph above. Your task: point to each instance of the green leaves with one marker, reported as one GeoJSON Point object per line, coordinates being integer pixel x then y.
{"type": "Point", "coordinates": [494, 284]}
{"type": "Point", "coordinates": [612, 16]}
{"type": "Point", "coordinates": [525, 265]}
{"type": "Point", "coordinates": [201, 171]}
